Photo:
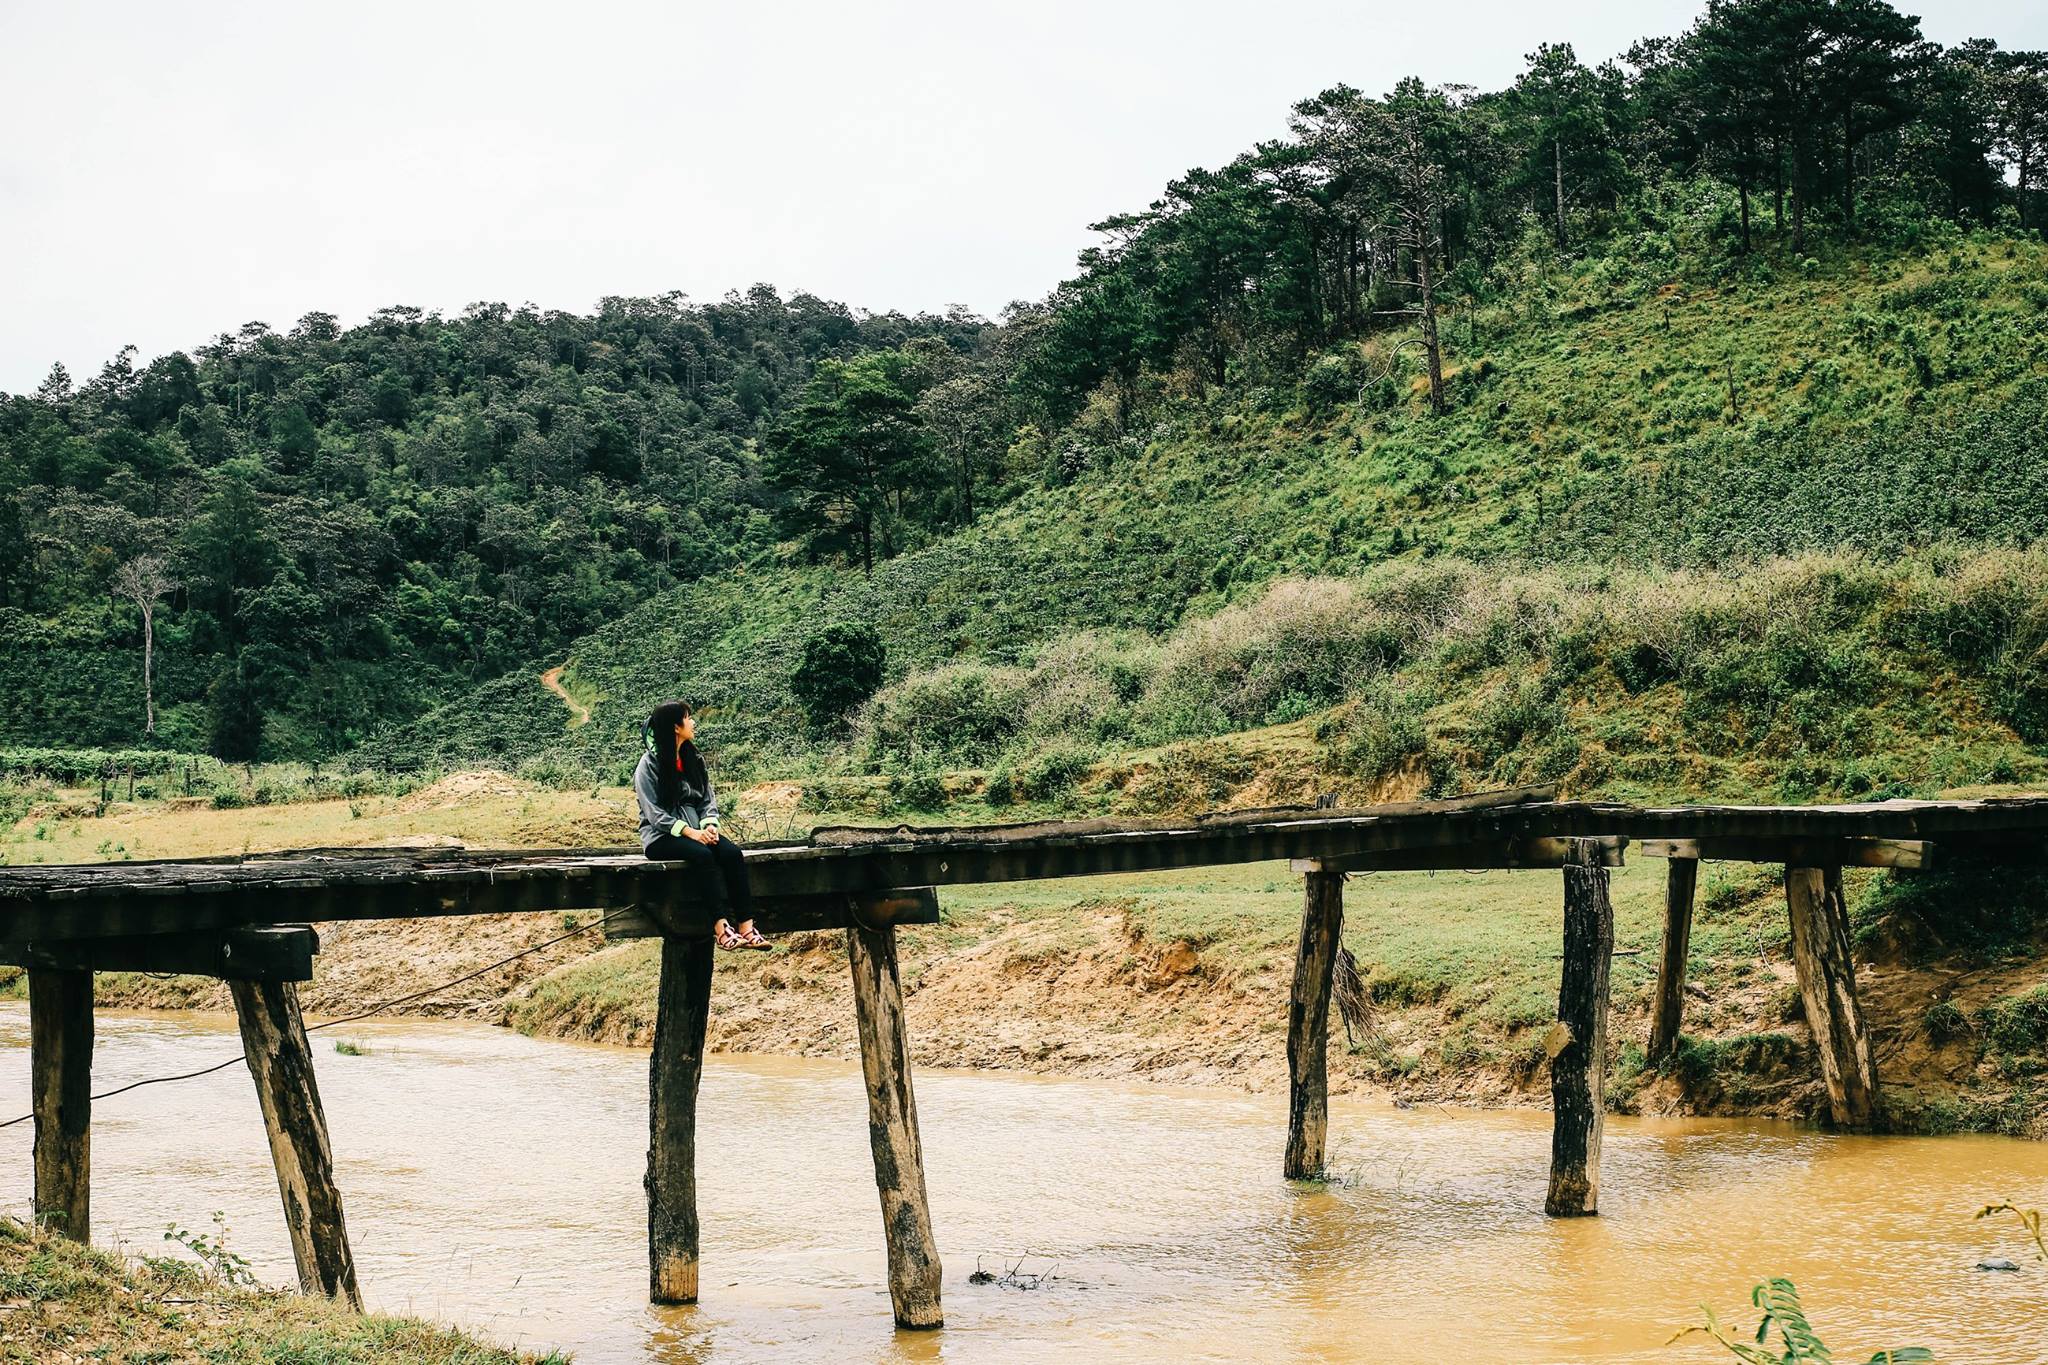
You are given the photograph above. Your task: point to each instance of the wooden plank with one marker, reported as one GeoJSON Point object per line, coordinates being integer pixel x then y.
{"type": "Point", "coordinates": [60, 1086]}
{"type": "Point", "coordinates": [1519, 853]}
{"type": "Point", "coordinates": [1901, 853]}
{"type": "Point", "coordinates": [914, 1270]}
{"type": "Point", "coordinates": [1821, 956]}
{"type": "Point", "coordinates": [249, 953]}
{"type": "Point", "coordinates": [1308, 1024]}
{"type": "Point", "coordinates": [281, 1063]}
{"type": "Point", "coordinates": [676, 1064]}
{"type": "Point", "coordinates": [111, 900]}
{"type": "Point", "coordinates": [1667, 1003]}
{"type": "Point", "coordinates": [916, 905]}
{"type": "Point", "coordinates": [1578, 1065]}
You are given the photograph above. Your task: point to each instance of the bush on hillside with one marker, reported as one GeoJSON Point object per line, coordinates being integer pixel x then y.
{"type": "Point", "coordinates": [840, 667]}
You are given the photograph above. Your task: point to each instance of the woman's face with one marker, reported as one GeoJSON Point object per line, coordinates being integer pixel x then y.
{"type": "Point", "coordinates": [686, 729]}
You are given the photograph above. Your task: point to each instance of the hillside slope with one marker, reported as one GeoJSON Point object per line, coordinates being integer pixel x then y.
{"type": "Point", "coordinates": [1627, 414]}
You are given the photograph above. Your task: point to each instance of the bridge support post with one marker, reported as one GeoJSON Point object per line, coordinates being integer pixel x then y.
{"type": "Point", "coordinates": [1308, 1023]}
{"type": "Point", "coordinates": [1822, 957]}
{"type": "Point", "coordinates": [281, 1061]}
{"type": "Point", "coordinates": [60, 1069]}
{"type": "Point", "coordinates": [1578, 1042]}
{"type": "Point", "coordinates": [914, 1271]}
{"type": "Point", "coordinates": [673, 1071]}
{"type": "Point", "coordinates": [1667, 1007]}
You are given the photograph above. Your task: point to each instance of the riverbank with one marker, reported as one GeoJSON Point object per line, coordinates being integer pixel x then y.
{"type": "Point", "coordinates": [1181, 976]}
{"type": "Point", "coordinates": [62, 1303]}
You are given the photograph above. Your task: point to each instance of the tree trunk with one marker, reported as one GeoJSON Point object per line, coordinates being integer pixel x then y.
{"type": "Point", "coordinates": [281, 1061]}
{"type": "Point", "coordinates": [1667, 1008]}
{"type": "Point", "coordinates": [60, 1069]}
{"type": "Point", "coordinates": [1578, 1066]}
{"type": "Point", "coordinates": [1848, 173]}
{"type": "Point", "coordinates": [1557, 166]}
{"type": "Point", "coordinates": [1429, 337]}
{"type": "Point", "coordinates": [674, 1067]}
{"type": "Point", "coordinates": [1822, 958]}
{"type": "Point", "coordinates": [914, 1270]}
{"type": "Point", "coordinates": [1308, 1024]}
{"type": "Point", "coordinates": [148, 664]}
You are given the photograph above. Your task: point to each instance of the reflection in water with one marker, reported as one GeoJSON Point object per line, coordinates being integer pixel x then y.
{"type": "Point", "coordinates": [494, 1181]}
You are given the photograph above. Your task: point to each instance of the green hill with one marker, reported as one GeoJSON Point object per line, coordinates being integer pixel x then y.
{"type": "Point", "coordinates": [1576, 558]}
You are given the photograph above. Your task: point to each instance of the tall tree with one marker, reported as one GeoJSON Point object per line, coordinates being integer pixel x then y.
{"type": "Point", "coordinates": [2019, 93]}
{"type": "Point", "coordinates": [146, 580]}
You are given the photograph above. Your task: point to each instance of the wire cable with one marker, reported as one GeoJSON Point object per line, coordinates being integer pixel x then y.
{"type": "Point", "coordinates": [598, 923]}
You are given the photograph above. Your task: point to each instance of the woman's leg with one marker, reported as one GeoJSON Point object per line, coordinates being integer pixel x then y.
{"type": "Point", "coordinates": [732, 865]}
{"type": "Point", "coordinates": [704, 863]}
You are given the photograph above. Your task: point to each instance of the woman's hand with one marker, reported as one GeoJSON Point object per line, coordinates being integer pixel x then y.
{"type": "Point", "coordinates": [704, 836]}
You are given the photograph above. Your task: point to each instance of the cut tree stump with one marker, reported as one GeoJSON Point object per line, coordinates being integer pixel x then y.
{"type": "Point", "coordinates": [1308, 1023]}
{"type": "Point", "coordinates": [914, 1271]}
{"type": "Point", "coordinates": [281, 1061]}
{"type": "Point", "coordinates": [1667, 1007]}
{"type": "Point", "coordinates": [1578, 1064]}
{"type": "Point", "coordinates": [60, 1067]}
{"type": "Point", "coordinates": [1821, 955]}
{"type": "Point", "coordinates": [674, 1068]}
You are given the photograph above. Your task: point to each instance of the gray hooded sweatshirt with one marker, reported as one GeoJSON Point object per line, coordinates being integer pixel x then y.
{"type": "Point", "coordinates": [657, 819]}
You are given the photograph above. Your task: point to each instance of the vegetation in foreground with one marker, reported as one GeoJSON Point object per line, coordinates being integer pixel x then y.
{"type": "Point", "coordinates": [65, 1302]}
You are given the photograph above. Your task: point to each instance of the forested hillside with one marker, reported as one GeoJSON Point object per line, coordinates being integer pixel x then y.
{"type": "Point", "coordinates": [1772, 286]}
{"type": "Point", "coordinates": [330, 528]}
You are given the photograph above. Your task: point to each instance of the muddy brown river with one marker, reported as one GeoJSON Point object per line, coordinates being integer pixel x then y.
{"type": "Point", "coordinates": [494, 1181]}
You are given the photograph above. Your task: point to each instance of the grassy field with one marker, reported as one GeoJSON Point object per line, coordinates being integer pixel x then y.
{"type": "Point", "coordinates": [64, 1302]}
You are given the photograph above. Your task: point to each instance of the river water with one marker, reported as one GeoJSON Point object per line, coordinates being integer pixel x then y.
{"type": "Point", "coordinates": [494, 1181]}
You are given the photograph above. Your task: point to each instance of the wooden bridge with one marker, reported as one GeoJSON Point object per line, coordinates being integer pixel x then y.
{"type": "Point", "coordinates": [249, 921]}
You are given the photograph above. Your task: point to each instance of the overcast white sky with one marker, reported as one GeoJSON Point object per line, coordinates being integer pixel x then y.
{"type": "Point", "coordinates": [171, 171]}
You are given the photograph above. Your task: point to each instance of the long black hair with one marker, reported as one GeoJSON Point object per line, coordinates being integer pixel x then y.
{"type": "Point", "coordinates": [679, 774]}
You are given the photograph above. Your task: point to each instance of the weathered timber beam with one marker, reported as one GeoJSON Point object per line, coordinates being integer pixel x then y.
{"type": "Point", "coordinates": [1667, 1004]}
{"type": "Point", "coordinates": [1826, 969]}
{"type": "Point", "coordinates": [1578, 1061]}
{"type": "Point", "coordinates": [1905, 853]}
{"type": "Point", "coordinates": [674, 1067]}
{"type": "Point", "coordinates": [1466, 857]}
{"type": "Point", "coordinates": [914, 1270]}
{"type": "Point", "coordinates": [916, 905]}
{"type": "Point", "coordinates": [250, 953]}
{"type": "Point", "coordinates": [60, 1086]}
{"type": "Point", "coordinates": [281, 1063]}
{"type": "Point", "coordinates": [1308, 1024]}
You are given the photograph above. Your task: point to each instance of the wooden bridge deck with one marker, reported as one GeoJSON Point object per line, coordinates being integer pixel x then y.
{"type": "Point", "coordinates": [248, 920]}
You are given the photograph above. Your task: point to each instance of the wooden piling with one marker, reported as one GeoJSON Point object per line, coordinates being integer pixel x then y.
{"type": "Point", "coordinates": [1308, 1023]}
{"type": "Point", "coordinates": [1667, 1006]}
{"type": "Point", "coordinates": [281, 1061]}
{"type": "Point", "coordinates": [60, 1067]}
{"type": "Point", "coordinates": [1821, 956]}
{"type": "Point", "coordinates": [673, 1070]}
{"type": "Point", "coordinates": [1578, 1046]}
{"type": "Point", "coordinates": [914, 1271]}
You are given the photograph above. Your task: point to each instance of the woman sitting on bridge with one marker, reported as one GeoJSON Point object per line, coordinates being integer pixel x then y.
{"type": "Point", "coordinates": [679, 821]}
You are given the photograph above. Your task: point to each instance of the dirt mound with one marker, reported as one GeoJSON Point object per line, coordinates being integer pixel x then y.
{"type": "Point", "coordinates": [464, 789]}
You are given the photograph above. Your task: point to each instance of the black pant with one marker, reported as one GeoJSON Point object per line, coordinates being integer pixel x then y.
{"type": "Point", "coordinates": [720, 865]}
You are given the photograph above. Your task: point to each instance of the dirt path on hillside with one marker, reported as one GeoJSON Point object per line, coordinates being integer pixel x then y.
{"type": "Point", "coordinates": [579, 714]}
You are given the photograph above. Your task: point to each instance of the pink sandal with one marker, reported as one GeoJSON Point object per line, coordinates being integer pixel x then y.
{"type": "Point", "coordinates": [730, 938]}
{"type": "Point", "coordinates": [752, 939]}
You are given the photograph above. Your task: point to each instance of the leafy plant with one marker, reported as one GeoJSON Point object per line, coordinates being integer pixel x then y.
{"type": "Point", "coordinates": [1797, 1340]}
{"type": "Point", "coordinates": [212, 1253]}
{"type": "Point", "coordinates": [2030, 1219]}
